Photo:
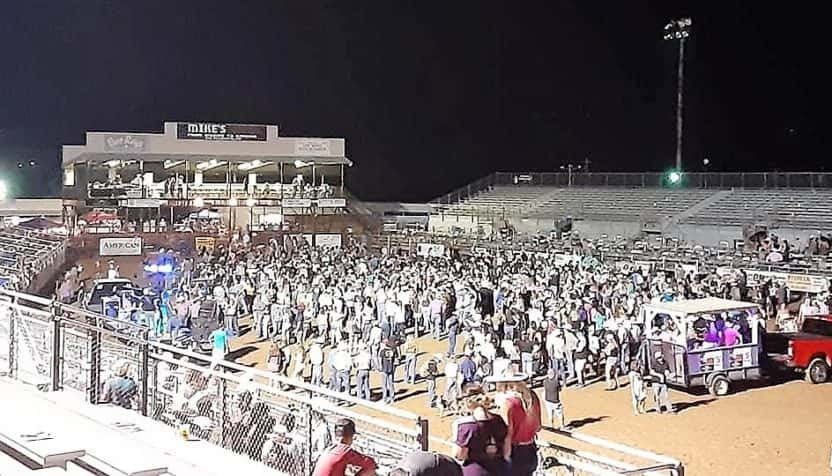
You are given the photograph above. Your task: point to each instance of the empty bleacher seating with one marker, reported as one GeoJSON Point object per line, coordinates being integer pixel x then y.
{"type": "Point", "coordinates": [61, 432]}
{"type": "Point", "coordinates": [787, 208]}
{"type": "Point", "coordinates": [782, 207]}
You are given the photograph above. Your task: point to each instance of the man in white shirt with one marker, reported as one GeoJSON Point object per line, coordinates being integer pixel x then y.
{"type": "Point", "coordinates": [363, 363]}
{"type": "Point", "coordinates": [316, 360]}
{"type": "Point", "coordinates": [342, 364]}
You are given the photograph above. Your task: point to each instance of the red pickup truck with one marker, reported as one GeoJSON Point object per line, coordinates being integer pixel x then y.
{"type": "Point", "coordinates": [809, 350]}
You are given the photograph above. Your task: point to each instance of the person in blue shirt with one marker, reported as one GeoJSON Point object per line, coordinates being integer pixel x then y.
{"type": "Point", "coordinates": [220, 346]}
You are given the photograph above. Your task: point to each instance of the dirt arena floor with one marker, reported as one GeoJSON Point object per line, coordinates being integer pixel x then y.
{"type": "Point", "coordinates": [782, 428]}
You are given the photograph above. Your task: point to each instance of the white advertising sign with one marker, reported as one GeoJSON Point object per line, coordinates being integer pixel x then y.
{"type": "Point", "coordinates": [430, 249]}
{"type": "Point", "coordinates": [120, 246]}
{"type": "Point", "coordinates": [332, 202]}
{"type": "Point", "coordinates": [297, 203]}
{"type": "Point", "coordinates": [312, 147]}
{"type": "Point", "coordinates": [328, 240]}
{"type": "Point", "coordinates": [806, 283]}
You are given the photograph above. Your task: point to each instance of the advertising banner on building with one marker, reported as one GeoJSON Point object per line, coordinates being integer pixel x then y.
{"type": "Point", "coordinates": [125, 143]}
{"type": "Point", "coordinates": [328, 240]}
{"type": "Point", "coordinates": [312, 147]}
{"type": "Point", "coordinates": [120, 246]}
{"type": "Point", "coordinates": [225, 132]}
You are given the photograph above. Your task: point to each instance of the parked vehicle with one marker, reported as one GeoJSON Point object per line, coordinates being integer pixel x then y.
{"type": "Point", "coordinates": [808, 351]}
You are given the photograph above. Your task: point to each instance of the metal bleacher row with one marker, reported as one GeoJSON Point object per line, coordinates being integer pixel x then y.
{"type": "Point", "coordinates": [798, 208]}
{"type": "Point", "coordinates": [48, 434]}
{"type": "Point", "coordinates": [787, 207]}
{"type": "Point", "coordinates": [25, 254]}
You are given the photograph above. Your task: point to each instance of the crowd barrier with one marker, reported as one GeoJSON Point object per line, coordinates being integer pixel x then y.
{"type": "Point", "coordinates": [280, 422]}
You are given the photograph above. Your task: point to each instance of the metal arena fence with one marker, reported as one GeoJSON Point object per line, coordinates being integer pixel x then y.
{"type": "Point", "coordinates": [283, 424]}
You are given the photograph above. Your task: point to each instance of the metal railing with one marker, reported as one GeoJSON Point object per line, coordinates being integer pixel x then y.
{"type": "Point", "coordinates": [280, 422]}
{"type": "Point", "coordinates": [706, 180]}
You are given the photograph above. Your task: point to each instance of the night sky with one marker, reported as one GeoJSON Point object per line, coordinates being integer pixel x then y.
{"type": "Point", "coordinates": [429, 95]}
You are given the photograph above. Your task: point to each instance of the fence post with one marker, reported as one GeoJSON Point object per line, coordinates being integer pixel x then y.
{"type": "Point", "coordinates": [423, 435]}
{"type": "Point", "coordinates": [56, 347]}
{"type": "Point", "coordinates": [95, 360]}
{"type": "Point", "coordinates": [144, 369]}
{"type": "Point", "coordinates": [310, 458]}
{"type": "Point", "coordinates": [221, 411]}
{"type": "Point", "coordinates": [12, 340]}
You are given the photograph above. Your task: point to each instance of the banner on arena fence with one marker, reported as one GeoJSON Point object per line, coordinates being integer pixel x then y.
{"type": "Point", "coordinates": [332, 202]}
{"type": "Point", "coordinates": [208, 243]}
{"type": "Point", "coordinates": [120, 246]}
{"type": "Point", "coordinates": [806, 283]}
{"type": "Point", "coordinates": [755, 277]}
{"type": "Point", "coordinates": [329, 240]}
{"type": "Point", "coordinates": [297, 203]}
{"type": "Point", "coordinates": [430, 249]}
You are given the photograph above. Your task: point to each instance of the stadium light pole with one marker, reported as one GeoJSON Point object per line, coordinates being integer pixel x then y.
{"type": "Point", "coordinates": [679, 30]}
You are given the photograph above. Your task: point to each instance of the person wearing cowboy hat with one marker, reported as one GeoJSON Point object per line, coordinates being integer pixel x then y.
{"type": "Point", "coordinates": [481, 437]}
{"type": "Point", "coordinates": [660, 371]}
{"type": "Point", "coordinates": [522, 413]}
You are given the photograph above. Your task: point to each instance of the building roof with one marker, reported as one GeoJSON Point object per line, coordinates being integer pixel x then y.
{"type": "Point", "coordinates": [698, 306]}
{"type": "Point", "coordinates": [201, 141]}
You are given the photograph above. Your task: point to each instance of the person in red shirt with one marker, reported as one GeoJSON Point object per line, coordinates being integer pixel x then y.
{"type": "Point", "coordinates": [336, 459]}
{"type": "Point", "coordinates": [521, 411]}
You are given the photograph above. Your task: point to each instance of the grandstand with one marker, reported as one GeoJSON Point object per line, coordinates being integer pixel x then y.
{"type": "Point", "coordinates": [706, 208]}
{"type": "Point", "coordinates": [29, 258]}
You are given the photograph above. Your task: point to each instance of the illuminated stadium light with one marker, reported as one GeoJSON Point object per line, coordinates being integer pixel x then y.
{"type": "Point", "coordinates": [674, 177]}
{"type": "Point", "coordinates": [677, 29]}
{"type": "Point", "coordinates": [250, 202]}
{"type": "Point", "coordinates": [199, 202]}
{"type": "Point", "coordinates": [232, 202]}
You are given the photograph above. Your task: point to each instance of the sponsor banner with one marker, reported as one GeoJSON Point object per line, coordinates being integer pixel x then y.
{"type": "Point", "coordinates": [142, 203]}
{"type": "Point", "coordinates": [332, 202]}
{"type": "Point", "coordinates": [328, 240]}
{"type": "Point", "coordinates": [125, 143]}
{"type": "Point", "coordinates": [207, 243]}
{"type": "Point", "coordinates": [756, 278]}
{"type": "Point", "coordinates": [297, 203]}
{"type": "Point", "coordinates": [312, 147]}
{"type": "Point", "coordinates": [430, 249]}
{"type": "Point", "coordinates": [223, 132]}
{"type": "Point", "coordinates": [120, 246]}
{"type": "Point", "coordinates": [806, 283]}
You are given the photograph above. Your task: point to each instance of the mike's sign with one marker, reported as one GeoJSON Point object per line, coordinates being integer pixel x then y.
{"type": "Point", "coordinates": [211, 131]}
{"type": "Point", "coordinates": [120, 246]}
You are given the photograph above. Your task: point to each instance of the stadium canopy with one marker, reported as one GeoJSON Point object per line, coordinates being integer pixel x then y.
{"type": "Point", "coordinates": [195, 142]}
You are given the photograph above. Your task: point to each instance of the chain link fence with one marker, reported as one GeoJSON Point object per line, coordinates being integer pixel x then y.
{"type": "Point", "coordinates": [283, 424]}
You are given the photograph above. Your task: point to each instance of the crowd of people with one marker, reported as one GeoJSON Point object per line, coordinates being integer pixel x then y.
{"type": "Point", "coordinates": [511, 321]}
